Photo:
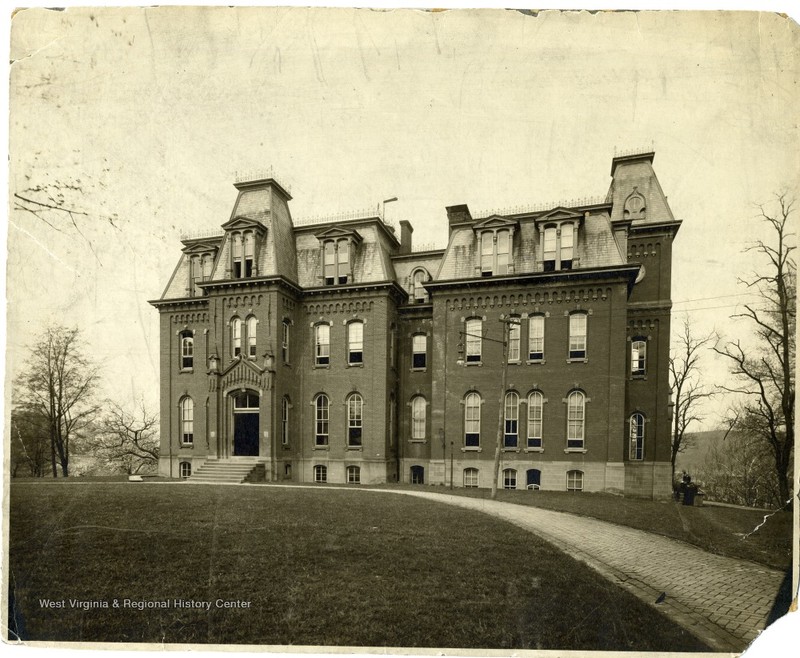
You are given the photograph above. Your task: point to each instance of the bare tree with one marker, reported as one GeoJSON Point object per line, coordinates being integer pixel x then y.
{"type": "Point", "coordinates": [688, 390]}
{"type": "Point", "coordinates": [29, 442]}
{"type": "Point", "coordinates": [129, 441]}
{"type": "Point", "coordinates": [765, 367]}
{"type": "Point", "coordinates": [58, 384]}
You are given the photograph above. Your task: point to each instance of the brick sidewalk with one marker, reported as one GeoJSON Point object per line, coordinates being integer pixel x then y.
{"type": "Point", "coordinates": [723, 601]}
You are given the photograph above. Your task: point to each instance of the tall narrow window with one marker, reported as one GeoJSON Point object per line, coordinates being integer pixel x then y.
{"type": "Point", "coordinates": [252, 325]}
{"type": "Point", "coordinates": [509, 478]}
{"type": "Point", "coordinates": [196, 274]}
{"type": "Point", "coordinates": [187, 421]}
{"type": "Point", "coordinates": [577, 336]}
{"type": "Point", "coordinates": [329, 262]}
{"type": "Point", "coordinates": [236, 336]}
{"type": "Point", "coordinates": [503, 244]}
{"type": "Point", "coordinates": [536, 338]}
{"type": "Point", "coordinates": [186, 470]}
{"type": "Point", "coordinates": [471, 478]}
{"type": "Point", "coordinates": [533, 479]}
{"type": "Point", "coordinates": [574, 480]}
{"type": "Point", "coordinates": [487, 253]}
{"type": "Point", "coordinates": [285, 336]}
{"type": "Point", "coordinates": [355, 343]}
{"type": "Point", "coordinates": [419, 351]}
{"type": "Point", "coordinates": [249, 253]}
{"type": "Point", "coordinates": [474, 340]}
{"type": "Point", "coordinates": [639, 356]}
{"type": "Point", "coordinates": [353, 475]}
{"type": "Point", "coordinates": [513, 340]}
{"type": "Point", "coordinates": [237, 255]}
{"type": "Point", "coordinates": [208, 263]}
{"type": "Point", "coordinates": [576, 418]}
{"type": "Point", "coordinates": [322, 419]}
{"type": "Point", "coordinates": [419, 408]}
{"type": "Point", "coordinates": [285, 406]}
{"type": "Point", "coordinates": [320, 473]}
{"type": "Point", "coordinates": [535, 412]}
{"type": "Point", "coordinates": [355, 419]}
{"type": "Point", "coordinates": [322, 344]}
{"type": "Point", "coordinates": [472, 420]}
{"type": "Point", "coordinates": [637, 436]}
{"type": "Point", "coordinates": [567, 242]}
{"type": "Point", "coordinates": [420, 294]}
{"type": "Point", "coordinates": [549, 248]}
{"type": "Point", "coordinates": [343, 273]}
{"type": "Point", "coordinates": [187, 351]}
{"type": "Point", "coordinates": [511, 436]}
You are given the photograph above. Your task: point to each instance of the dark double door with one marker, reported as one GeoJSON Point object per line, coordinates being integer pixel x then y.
{"type": "Point", "coordinates": [245, 434]}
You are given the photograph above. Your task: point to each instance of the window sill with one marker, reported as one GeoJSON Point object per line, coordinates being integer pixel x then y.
{"type": "Point", "coordinates": [418, 440]}
{"type": "Point", "coordinates": [186, 371]}
{"type": "Point", "coordinates": [639, 377]}
{"type": "Point", "coordinates": [582, 451]}
{"type": "Point", "coordinates": [510, 449]}
{"type": "Point", "coordinates": [471, 449]}
{"type": "Point", "coordinates": [418, 370]}
{"type": "Point", "coordinates": [472, 363]}
{"type": "Point", "coordinates": [535, 361]}
{"type": "Point", "coordinates": [354, 448]}
{"type": "Point", "coordinates": [186, 445]}
{"type": "Point", "coordinates": [534, 449]}
{"type": "Point", "coordinates": [355, 365]}
{"type": "Point", "coordinates": [578, 360]}
{"type": "Point", "coordinates": [321, 366]}
{"type": "Point", "coordinates": [321, 448]}
{"type": "Point", "coordinates": [286, 446]}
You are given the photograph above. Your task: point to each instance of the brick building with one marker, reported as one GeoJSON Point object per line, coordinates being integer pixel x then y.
{"type": "Point", "coordinates": [335, 352]}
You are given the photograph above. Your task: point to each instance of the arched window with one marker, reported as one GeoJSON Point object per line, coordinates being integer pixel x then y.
{"type": "Point", "coordinates": [474, 339]}
{"type": "Point", "coordinates": [419, 351]}
{"type": "Point", "coordinates": [320, 473]}
{"type": "Point", "coordinates": [576, 419]}
{"type": "Point", "coordinates": [574, 480]}
{"type": "Point", "coordinates": [471, 478]}
{"type": "Point", "coordinates": [417, 475]}
{"type": "Point", "coordinates": [639, 356]}
{"type": "Point", "coordinates": [472, 420]}
{"type": "Point", "coordinates": [355, 419]}
{"type": "Point", "coordinates": [419, 409]}
{"type": "Point", "coordinates": [420, 295]}
{"type": "Point", "coordinates": [252, 328]}
{"type": "Point", "coordinates": [185, 470]}
{"type": "Point", "coordinates": [509, 478]}
{"type": "Point", "coordinates": [187, 421]}
{"type": "Point", "coordinates": [236, 336]}
{"type": "Point", "coordinates": [577, 336]}
{"type": "Point", "coordinates": [322, 419]}
{"type": "Point", "coordinates": [187, 350]}
{"type": "Point", "coordinates": [322, 344]}
{"type": "Point", "coordinates": [355, 342]}
{"type": "Point", "coordinates": [285, 406]}
{"type": "Point", "coordinates": [511, 436]}
{"type": "Point", "coordinates": [535, 413]}
{"type": "Point", "coordinates": [249, 253]}
{"type": "Point", "coordinates": [636, 436]}
{"type": "Point", "coordinates": [285, 336]}
{"type": "Point", "coordinates": [533, 479]}
{"type": "Point", "coordinates": [353, 475]}
{"type": "Point", "coordinates": [536, 338]}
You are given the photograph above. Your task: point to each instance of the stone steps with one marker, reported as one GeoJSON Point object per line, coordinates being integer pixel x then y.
{"type": "Point", "coordinates": [225, 471]}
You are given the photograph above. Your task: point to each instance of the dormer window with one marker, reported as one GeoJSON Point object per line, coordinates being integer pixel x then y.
{"type": "Point", "coordinates": [249, 253]}
{"type": "Point", "coordinates": [237, 256]}
{"type": "Point", "coordinates": [420, 295]}
{"type": "Point", "coordinates": [495, 252]}
{"type": "Point", "coordinates": [336, 255]}
{"type": "Point", "coordinates": [558, 246]}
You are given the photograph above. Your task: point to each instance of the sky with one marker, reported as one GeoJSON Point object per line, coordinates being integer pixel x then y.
{"type": "Point", "coordinates": [149, 114]}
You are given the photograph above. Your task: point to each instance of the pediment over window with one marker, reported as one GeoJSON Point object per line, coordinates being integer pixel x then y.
{"type": "Point", "coordinates": [244, 372]}
{"type": "Point", "coordinates": [495, 222]}
{"type": "Point", "coordinates": [241, 223]}
{"type": "Point", "coordinates": [559, 214]}
{"type": "Point", "coordinates": [336, 233]}
{"type": "Point", "coordinates": [205, 246]}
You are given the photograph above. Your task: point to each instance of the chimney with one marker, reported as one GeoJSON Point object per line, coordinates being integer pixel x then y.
{"type": "Point", "coordinates": [405, 236]}
{"type": "Point", "coordinates": [458, 215]}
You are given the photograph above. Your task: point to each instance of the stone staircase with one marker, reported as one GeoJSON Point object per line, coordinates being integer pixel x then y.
{"type": "Point", "coordinates": [234, 470]}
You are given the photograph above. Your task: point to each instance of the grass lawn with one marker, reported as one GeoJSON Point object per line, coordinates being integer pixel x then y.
{"type": "Point", "coordinates": [320, 567]}
{"type": "Point", "coordinates": [720, 530]}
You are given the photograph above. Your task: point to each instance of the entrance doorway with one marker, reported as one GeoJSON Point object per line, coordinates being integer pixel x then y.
{"type": "Point", "coordinates": [245, 424]}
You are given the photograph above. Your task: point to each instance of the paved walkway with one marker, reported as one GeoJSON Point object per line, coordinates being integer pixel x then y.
{"type": "Point", "coordinates": [723, 601]}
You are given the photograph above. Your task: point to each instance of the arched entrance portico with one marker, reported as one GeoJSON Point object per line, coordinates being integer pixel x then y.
{"type": "Point", "coordinates": [245, 426]}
